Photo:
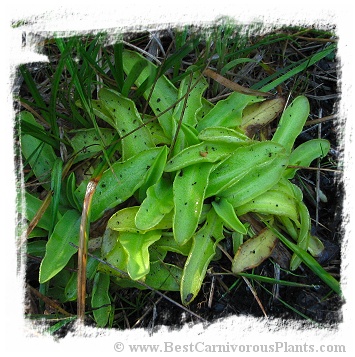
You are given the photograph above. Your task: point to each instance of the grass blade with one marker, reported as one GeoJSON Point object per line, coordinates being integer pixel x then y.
{"type": "Point", "coordinates": [310, 262]}
{"type": "Point", "coordinates": [34, 91]}
{"type": "Point", "coordinates": [56, 184]}
{"type": "Point", "coordinates": [269, 280]}
{"type": "Point", "coordinates": [303, 66]}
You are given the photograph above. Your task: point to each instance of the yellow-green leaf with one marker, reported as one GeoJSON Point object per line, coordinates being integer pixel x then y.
{"type": "Point", "coordinates": [254, 251]}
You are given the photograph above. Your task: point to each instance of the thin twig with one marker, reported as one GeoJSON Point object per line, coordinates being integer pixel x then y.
{"type": "Point", "coordinates": [210, 298]}
{"type": "Point", "coordinates": [232, 85]}
{"type": "Point", "coordinates": [45, 204]}
{"type": "Point", "coordinates": [320, 120]}
{"type": "Point", "coordinates": [312, 39]}
{"type": "Point", "coordinates": [49, 301]}
{"type": "Point", "coordinates": [255, 295]}
{"type": "Point", "coordinates": [313, 168]}
{"type": "Point", "coordinates": [142, 51]}
{"type": "Point", "coordinates": [180, 120]}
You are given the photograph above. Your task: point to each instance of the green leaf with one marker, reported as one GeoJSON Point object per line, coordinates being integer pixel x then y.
{"type": "Point", "coordinates": [197, 84]}
{"type": "Point", "coordinates": [154, 173]}
{"type": "Point", "coordinates": [40, 156]}
{"type": "Point", "coordinates": [157, 132]}
{"type": "Point", "coordinates": [58, 248]}
{"type": "Point", "coordinates": [33, 204]}
{"type": "Point", "coordinates": [257, 181]}
{"type": "Point", "coordinates": [86, 142]}
{"type": "Point", "coordinates": [227, 213]}
{"type": "Point", "coordinates": [243, 161]}
{"type": "Point", "coordinates": [189, 192]}
{"type": "Point", "coordinates": [164, 276]}
{"type": "Point", "coordinates": [136, 246]}
{"type": "Point", "coordinates": [157, 204]}
{"type": "Point", "coordinates": [186, 109]}
{"type": "Point", "coordinates": [124, 220]}
{"type": "Point", "coordinates": [291, 123]}
{"type": "Point", "coordinates": [168, 243]}
{"type": "Point", "coordinates": [202, 251]}
{"type": "Point", "coordinates": [118, 185]}
{"type": "Point", "coordinates": [126, 119]}
{"type": "Point", "coordinates": [163, 96]}
{"type": "Point", "coordinates": [271, 202]}
{"type": "Point", "coordinates": [227, 112]}
{"type": "Point", "coordinates": [222, 134]}
{"type": "Point", "coordinates": [113, 253]}
{"type": "Point", "coordinates": [100, 299]}
{"type": "Point", "coordinates": [305, 153]}
{"type": "Point", "coordinates": [200, 153]}
{"type": "Point", "coordinates": [303, 236]}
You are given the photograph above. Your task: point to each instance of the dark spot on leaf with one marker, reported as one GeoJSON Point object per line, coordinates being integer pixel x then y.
{"type": "Point", "coordinates": [158, 100]}
{"type": "Point", "coordinates": [189, 297]}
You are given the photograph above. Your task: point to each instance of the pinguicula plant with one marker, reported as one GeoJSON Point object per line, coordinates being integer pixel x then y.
{"type": "Point", "coordinates": [180, 180]}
